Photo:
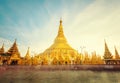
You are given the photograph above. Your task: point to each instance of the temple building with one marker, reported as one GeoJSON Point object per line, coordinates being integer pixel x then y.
{"type": "Point", "coordinates": [14, 54]}
{"type": "Point", "coordinates": [108, 57]}
{"type": "Point", "coordinates": [60, 52]}
{"type": "Point", "coordinates": [107, 53]}
{"type": "Point", "coordinates": [13, 57]}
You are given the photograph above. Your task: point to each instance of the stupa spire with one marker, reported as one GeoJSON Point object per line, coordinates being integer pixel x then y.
{"type": "Point", "coordinates": [2, 49]}
{"type": "Point", "coordinates": [27, 56]}
{"type": "Point", "coordinates": [60, 37]}
{"type": "Point", "coordinates": [28, 51]}
{"type": "Point", "coordinates": [116, 53]}
{"type": "Point", "coordinates": [60, 31]}
{"type": "Point", "coordinates": [15, 43]}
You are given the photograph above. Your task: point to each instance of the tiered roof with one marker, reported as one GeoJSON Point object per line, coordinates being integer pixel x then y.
{"type": "Point", "coordinates": [107, 53]}
{"type": "Point", "coordinates": [14, 50]}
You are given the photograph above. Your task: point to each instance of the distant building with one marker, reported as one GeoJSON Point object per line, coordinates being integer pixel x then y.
{"type": "Point", "coordinates": [12, 56]}
{"type": "Point", "coordinates": [108, 57]}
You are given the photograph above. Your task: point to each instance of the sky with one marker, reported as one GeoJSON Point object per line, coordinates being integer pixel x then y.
{"type": "Point", "coordinates": [34, 23]}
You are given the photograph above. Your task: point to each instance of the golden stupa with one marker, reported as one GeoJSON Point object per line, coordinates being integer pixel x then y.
{"type": "Point", "coordinates": [60, 52]}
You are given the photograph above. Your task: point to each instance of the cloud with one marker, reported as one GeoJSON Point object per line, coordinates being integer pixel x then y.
{"type": "Point", "coordinates": [85, 24]}
{"type": "Point", "coordinates": [98, 21]}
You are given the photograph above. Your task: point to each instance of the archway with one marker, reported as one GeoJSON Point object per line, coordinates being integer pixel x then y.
{"type": "Point", "coordinates": [5, 62]}
{"type": "Point", "coordinates": [14, 62]}
{"type": "Point", "coordinates": [66, 62]}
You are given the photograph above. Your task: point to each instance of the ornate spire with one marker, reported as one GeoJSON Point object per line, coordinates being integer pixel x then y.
{"type": "Point", "coordinates": [2, 49]}
{"type": "Point", "coordinates": [116, 53]}
{"type": "Point", "coordinates": [15, 43]}
{"type": "Point", "coordinates": [107, 54]}
{"type": "Point", "coordinates": [27, 56]}
{"type": "Point", "coordinates": [14, 49]}
{"type": "Point", "coordinates": [60, 20]}
{"type": "Point", "coordinates": [60, 31]}
{"type": "Point", "coordinates": [106, 47]}
{"type": "Point", "coordinates": [60, 37]}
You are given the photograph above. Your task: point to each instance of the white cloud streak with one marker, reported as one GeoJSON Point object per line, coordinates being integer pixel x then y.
{"type": "Point", "coordinates": [88, 27]}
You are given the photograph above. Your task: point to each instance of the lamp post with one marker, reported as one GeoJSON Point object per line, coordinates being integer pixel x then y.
{"type": "Point", "coordinates": [82, 47]}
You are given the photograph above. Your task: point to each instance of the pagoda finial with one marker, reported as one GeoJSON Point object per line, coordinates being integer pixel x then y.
{"type": "Point", "coordinates": [60, 21]}
{"type": "Point", "coordinates": [60, 37]}
{"type": "Point", "coordinates": [14, 44]}
{"type": "Point", "coordinates": [15, 40]}
{"type": "Point", "coordinates": [60, 31]}
{"type": "Point", "coordinates": [28, 50]}
{"type": "Point", "coordinates": [3, 45]}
